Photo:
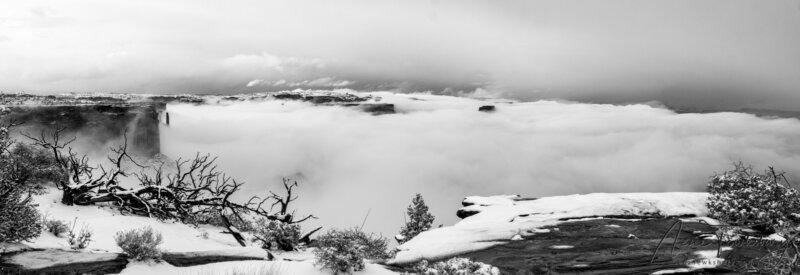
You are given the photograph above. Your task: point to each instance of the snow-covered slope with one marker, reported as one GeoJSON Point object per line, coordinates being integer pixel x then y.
{"type": "Point", "coordinates": [502, 219]}
{"type": "Point", "coordinates": [104, 223]}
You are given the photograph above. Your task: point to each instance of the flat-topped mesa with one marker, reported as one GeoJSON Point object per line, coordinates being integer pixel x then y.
{"type": "Point", "coordinates": [340, 99]}
{"type": "Point", "coordinates": [322, 98]}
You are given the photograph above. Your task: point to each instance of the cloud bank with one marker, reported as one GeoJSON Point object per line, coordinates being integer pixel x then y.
{"type": "Point", "coordinates": [350, 162]}
{"type": "Point", "coordinates": [704, 54]}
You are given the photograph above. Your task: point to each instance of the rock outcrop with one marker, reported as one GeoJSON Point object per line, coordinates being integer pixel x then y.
{"type": "Point", "coordinates": [603, 246]}
{"type": "Point", "coordinates": [486, 108]}
{"type": "Point", "coordinates": [206, 257]}
{"type": "Point", "coordinates": [340, 99]}
{"type": "Point", "coordinates": [8, 248]}
{"type": "Point", "coordinates": [601, 233]}
{"type": "Point", "coordinates": [21, 259]}
{"type": "Point", "coordinates": [54, 261]}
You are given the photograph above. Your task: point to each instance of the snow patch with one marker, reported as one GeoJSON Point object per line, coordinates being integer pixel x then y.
{"type": "Point", "coordinates": [490, 200]}
{"type": "Point", "coordinates": [673, 271]}
{"type": "Point", "coordinates": [775, 237]}
{"type": "Point", "coordinates": [242, 267]}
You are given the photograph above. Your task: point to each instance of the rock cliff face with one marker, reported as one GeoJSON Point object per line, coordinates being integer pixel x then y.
{"type": "Point", "coordinates": [95, 124]}
{"type": "Point", "coordinates": [99, 121]}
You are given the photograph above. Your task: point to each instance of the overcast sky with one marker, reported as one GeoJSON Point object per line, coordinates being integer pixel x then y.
{"type": "Point", "coordinates": [683, 52]}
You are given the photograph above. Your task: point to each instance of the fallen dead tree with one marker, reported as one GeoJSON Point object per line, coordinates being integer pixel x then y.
{"type": "Point", "coordinates": [196, 188]}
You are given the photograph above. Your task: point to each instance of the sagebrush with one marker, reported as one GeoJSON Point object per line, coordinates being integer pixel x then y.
{"type": "Point", "coordinates": [277, 235]}
{"type": "Point", "coordinates": [140, 244]}
{"type": "Point", "coordinates": [455, 266]}
{"type": "Point", "coordinates": [764, 201]}
{"type": "Point", "coordinates": [19, 219]}
{"type": "Point", "coordinates": [22, 172]}
{"type": "Point", "coordinates": [346, 250]}
{"type": "Point", "coordinates": [79, 239]}
{"type": "Point", "coordinates": [56, 227]}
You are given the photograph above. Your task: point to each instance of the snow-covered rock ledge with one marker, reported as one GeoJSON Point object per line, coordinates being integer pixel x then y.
{"type": "Point", "coordinates": [501, 219]}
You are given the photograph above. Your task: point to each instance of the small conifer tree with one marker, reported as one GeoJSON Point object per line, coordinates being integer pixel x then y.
{"type": "Point", "coordinates": [419, 219]}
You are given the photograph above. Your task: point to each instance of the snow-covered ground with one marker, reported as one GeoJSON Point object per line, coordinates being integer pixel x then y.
{"type": "Point", "coordinates": [501, 219]}
{"type": "Point", "coordinates": [105, 222]}
{"type": "Point", "coordinates": [286, 263]}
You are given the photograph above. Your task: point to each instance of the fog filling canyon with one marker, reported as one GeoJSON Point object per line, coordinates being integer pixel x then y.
{"type": "Point", "coordinates": [349, 162]}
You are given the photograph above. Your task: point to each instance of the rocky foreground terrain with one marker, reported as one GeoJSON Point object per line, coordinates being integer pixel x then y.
{"type": "Point", "coordinates": [623, 233]}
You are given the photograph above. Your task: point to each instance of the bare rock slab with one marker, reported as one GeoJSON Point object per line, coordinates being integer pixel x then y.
{"type": "Point", "coordinates": [604, 246]}
{"type": "Point", "coordinates": [54, 261]}
{"type": "Point", "coordinates": [214, 256]}
{"type": "Point", "coordinates": [6, 248]}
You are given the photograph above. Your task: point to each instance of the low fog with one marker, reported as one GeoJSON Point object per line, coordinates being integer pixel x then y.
{"type": "Point", "coordinates": [349, 162]}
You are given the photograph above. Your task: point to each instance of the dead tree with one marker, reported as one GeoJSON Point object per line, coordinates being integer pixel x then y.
{"type": "Point", "coordinates": [196, 188]}
{"type": "Point", "coordinates": [82, 182]}
{"type": "Point", "coordinates": [283, 201]}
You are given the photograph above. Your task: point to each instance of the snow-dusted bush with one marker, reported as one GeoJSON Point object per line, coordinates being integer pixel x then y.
{"type": "Point", "coordinates": [419, 219]}
{"type": "Point", "coordinates": [455, 266]}
{"type": "Point", "coordinates": [276, 234]}
{"type": "Point", "coordinates": [80, 239]}
{"type": "Point", "coordinates": [56, 227]}
{"type": "Point", "coordinates": [140, 244]}
{"type": "Point", "coordinates": [778, 261]}
{"type": "Point", "coordinates": [346, 250]}
{"type": "Point", "coordinates": [19, 219]}
{"type": "Point", "coordinates": [22, 172]}
{"type": "Point", "coordinates": [764, 201]}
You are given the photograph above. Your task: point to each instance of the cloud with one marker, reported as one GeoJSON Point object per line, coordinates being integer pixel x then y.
{"type": "Point", "coordinates": [270, 62]}
{"type": "Point", "coordinates": [323, 82]}
{"type": "Point", "coordinates": [43, 11]}
{"type": "Point", "coordinates": [350, 162]}
{"type": "Point", "coordinates": [729, 53]}
{"type": "Point", "coordinates": [255, 82]}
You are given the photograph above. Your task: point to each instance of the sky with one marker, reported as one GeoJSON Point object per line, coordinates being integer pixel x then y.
{"type": "Point", "coordinates": [694, 53]}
